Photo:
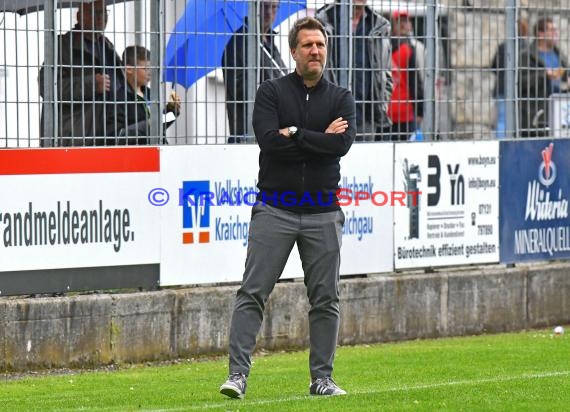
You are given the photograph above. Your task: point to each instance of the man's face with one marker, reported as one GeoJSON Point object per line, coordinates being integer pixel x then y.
{"type": "Point", "coordinates": [268, 12]}
{"type": "Point", "coordinates": [310, 53]}
{"type": "Point", "coordinates": [402, 26]}
{"type": "Point", "coordinates": [359, 4]}
{"type": "Point", "coordinates": [550, 35]}
{"type": "Point", "coordinates": [94, 16]}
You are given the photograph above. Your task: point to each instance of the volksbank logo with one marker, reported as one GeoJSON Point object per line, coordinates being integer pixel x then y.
{"type": "Point", "coordinates": [195, 212]}
{"type": "Point", "coordinates": [200, 222]}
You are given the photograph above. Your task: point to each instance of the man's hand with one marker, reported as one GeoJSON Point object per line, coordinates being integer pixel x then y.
{"type": "Point", "coordinates": [174, 104]}
{"type": "Point", "coordinates": [337, 126]}
{"type": "Point", "coordinates": [555, 74]}
{"type": "Point", "coordinates": [284, 132]}
{"type": "Point", "coordinates": [102, 83]}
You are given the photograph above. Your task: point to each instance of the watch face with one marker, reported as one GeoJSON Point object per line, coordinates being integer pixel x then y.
{"type": "Point", "coordinates": [292, 130]}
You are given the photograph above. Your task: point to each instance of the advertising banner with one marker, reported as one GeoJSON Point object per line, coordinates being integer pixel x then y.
{"type": "Point", "coordinates": [70, 208]}
{"type": "Point", "coordinates": [449, 215]}
{"type": "Point", "coordinates": [535, 183]}
{"type": "Point", "coordinates": [367, 174]}
{"type": "Point", "coordinates": [206, 242]}
{"type": "Point", "coordinates": [559, 115]}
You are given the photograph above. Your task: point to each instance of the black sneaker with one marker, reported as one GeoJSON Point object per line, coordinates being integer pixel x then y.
{"type": "Point", "coordinates": [325, 386]}
{"type": "Point", "coordinates": [235, 386]}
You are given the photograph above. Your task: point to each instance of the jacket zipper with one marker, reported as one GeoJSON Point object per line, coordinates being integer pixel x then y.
{"type": "Point", "coordinates": [305, 122]}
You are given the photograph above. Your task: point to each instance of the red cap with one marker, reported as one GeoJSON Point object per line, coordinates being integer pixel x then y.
{"type": "Point", "coordinates": [399, 14]}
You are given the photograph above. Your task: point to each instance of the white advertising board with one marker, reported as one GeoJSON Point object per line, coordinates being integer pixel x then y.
{"type": "Point", "coordinates": [215, 251]}
{"type": "Point", "coordinates": [78, 208]}
{"type": "Point", "coordinates": [455, 220]}
{"type": "Point", "coordinates": [367, 241]}
{"type": "Point", "coordinates": [559, 115]}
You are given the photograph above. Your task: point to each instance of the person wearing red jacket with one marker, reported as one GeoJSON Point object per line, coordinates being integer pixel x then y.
{"type": "Point", "coordinates": [406, 104]}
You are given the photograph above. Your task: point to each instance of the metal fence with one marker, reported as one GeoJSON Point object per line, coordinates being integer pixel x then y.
{"type": "Point", "coordinates": [424, 69]}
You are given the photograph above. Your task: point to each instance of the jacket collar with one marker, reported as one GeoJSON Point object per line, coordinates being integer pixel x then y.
{"type": "Point", "coordinates": [299, 80]}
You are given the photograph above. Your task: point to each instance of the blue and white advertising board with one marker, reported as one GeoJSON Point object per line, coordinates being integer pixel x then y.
{"type": "Point", "coordinates": [207, 243]}
{"type": "Point", "coordinates": [204, 240]}
{"type": "Point", "coordinates": [535, 184]}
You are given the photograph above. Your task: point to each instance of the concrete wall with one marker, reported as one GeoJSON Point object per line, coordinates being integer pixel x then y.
{"type": "Point", "coordinates": [94, 330]}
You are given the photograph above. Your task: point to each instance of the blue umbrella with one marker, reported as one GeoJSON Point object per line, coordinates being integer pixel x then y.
{"type": "Point", "coordinates": [197, 44]}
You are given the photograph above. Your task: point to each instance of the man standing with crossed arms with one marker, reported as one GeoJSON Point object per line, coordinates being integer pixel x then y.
{"type": "Point", "coordinates": [303, 125]}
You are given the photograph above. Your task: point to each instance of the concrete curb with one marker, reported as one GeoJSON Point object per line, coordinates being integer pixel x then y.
{"type": "Point", "coordinates": [92, 330]}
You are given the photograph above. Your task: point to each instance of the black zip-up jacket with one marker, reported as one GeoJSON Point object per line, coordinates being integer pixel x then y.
{"type": "Point", "coordinates": [301, 174]}
{"type": "Point", "coordinates": [134, 118]}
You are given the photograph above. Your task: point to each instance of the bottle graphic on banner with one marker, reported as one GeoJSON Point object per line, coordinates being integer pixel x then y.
{"type": "Point", "coordinates": [412, 176]}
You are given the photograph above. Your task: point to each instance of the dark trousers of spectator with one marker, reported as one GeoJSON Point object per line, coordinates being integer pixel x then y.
{"type": "Point", "coordinates": [272, 234]}
{"type": "Point", "coordinates": [383, 134]}
{"type": "Point", "coordinates": [401, 132]}
{"type": "Point", "coordinates": [241, 140]}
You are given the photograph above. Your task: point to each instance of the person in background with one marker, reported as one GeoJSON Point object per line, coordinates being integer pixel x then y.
{"type": "Point", "coordinates": [89, 73]}
{"type": "Point", "coordinates": [406, 105]}
{"type": "Point", "coordinates": [499, 69]}
{"type": "Point", "coordinates": [542, 71]}
{"type": "Point", "coordinates": [235, 67]}
{"type": "Point", "coordinates": [371, 81]}
{"type": "Point", "coordinates": [135, 114]}
{"type": "Point", "coordinates": [304, 124]}
{"type": "Point", "coordinates": [420, 49]}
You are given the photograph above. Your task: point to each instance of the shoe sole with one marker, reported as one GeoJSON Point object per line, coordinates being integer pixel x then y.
{"type": "Point", "coordinates": [328, 394]}
{"type": "Point", "coordinates": [231, 392]}
{"type": "Point", "coordinates": [324, 394]}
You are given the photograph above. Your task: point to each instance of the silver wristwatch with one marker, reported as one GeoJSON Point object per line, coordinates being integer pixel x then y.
{"type": "Point", "coordinates": [292, 131]}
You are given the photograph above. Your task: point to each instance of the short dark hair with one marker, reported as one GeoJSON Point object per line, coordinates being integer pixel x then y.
{"type": "Point", "coordinates": [306, 23]}
{"type": "Point", "coordinates": [134, 54]}
{"type": "Point", "coordinates": [540, 26]}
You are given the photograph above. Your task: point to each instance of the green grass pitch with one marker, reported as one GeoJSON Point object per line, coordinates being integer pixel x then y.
{"type": "Point", "coordinates": [527, 371]}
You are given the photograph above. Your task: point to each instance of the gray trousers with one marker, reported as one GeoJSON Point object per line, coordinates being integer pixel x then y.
{"type": "Point", "coordinates": [272, 235]}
